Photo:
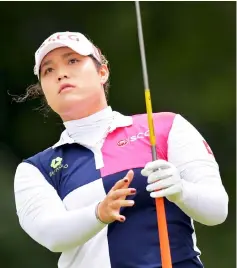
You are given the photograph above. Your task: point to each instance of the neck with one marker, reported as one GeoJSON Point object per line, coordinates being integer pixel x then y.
{"type": "Point", "coordinates": [83, 111]}
{"type": "Point", "coordinates": [91, 130]}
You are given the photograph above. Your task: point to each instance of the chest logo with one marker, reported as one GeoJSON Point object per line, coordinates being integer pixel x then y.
{"type": "Point", "coordinates": [140, 135]}
{"type": "Point", "coordinates": [57, 164]}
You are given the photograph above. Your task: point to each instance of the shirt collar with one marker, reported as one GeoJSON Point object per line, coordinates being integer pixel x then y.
{"type": "Point", "coordinates": [85, 130]}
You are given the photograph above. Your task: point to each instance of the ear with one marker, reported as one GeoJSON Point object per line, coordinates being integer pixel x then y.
{"type": "Point", "coordinates": [104, 73]}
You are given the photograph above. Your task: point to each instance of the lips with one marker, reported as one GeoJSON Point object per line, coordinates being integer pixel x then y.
{"type": "Point", "coordinates": [65, 86]}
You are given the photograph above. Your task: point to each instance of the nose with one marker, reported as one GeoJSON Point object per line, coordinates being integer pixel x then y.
{"type": "Point", "coordinates": [60, 77]}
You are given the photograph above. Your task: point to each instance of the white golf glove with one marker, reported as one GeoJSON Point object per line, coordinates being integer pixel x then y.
{"type": "Point", "coordinates": [165, 182]}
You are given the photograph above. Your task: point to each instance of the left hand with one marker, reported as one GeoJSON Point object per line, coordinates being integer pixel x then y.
{"type": "Point", "coordinates": [163, 180]}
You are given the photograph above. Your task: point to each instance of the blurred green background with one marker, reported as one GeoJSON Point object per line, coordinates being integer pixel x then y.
{"type": "Point", "coordinates": [190, 49]}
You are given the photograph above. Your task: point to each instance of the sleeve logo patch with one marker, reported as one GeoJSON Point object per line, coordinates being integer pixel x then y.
{"type": "Point", "coordinates": [208, 147]}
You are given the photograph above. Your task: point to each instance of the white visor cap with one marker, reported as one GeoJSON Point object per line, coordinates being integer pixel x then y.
{"type": "Point", "coordinates": [76, 41]}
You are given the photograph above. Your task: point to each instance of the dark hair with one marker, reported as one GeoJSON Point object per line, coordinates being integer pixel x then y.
{"type": "Point", "coordinates": [35, 91]}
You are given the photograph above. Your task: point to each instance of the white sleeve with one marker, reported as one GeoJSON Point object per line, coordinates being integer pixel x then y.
{"type": "Point", "coordinates": [43, 216]}
{"type": "Point", "coordinates": [204, 198]}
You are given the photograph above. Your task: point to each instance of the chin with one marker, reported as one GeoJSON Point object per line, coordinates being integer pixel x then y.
{"type": "Point", "coordinates": [73, 110]}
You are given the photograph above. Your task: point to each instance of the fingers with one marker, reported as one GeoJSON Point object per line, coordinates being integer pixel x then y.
{"type": "Point", "coordinates": [124, 203]}
{"type": "Point", "coordinates": [117, 205]}
{"type": "Point", "coordinates": [125, 182]}
{"type": "Point", "coordinates": [166, 192]}
{"type": "Point", "coordinates": [159, 185]}
{"type": "Point", "coordinates": [129, 175]}
{"type": "Point", "coordinates": [160, 174]}
{"type": "Point", "coordinates": [122, 193]}
{"type": "Point", "coordinates": [118, 217]}
{"type": "Point", "coordinates": [109, 208]}
{"type": "Point", "coordinates": [151, 166]}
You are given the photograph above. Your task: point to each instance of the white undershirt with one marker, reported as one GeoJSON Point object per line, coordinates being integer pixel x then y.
{"type": "Point", "coordinates": [92, 131]}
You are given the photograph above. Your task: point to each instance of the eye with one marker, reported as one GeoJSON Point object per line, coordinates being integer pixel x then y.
{"type": "Point", "coordinates": [48, 70]}
{"type": "Point", "coordinates": [72, 61]}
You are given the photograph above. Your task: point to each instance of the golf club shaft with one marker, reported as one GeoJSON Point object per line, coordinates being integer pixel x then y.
{"type": "Point", "coordinates": [160, 208]}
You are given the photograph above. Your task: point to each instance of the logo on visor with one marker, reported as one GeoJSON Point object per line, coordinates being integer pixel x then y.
{"type": "Point", "coordinates": [60, 37]}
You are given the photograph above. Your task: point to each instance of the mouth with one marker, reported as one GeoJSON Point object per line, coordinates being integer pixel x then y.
{"type": "Point", "coordinates": [65, 87]}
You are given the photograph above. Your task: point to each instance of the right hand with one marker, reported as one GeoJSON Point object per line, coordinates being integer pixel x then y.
{"type": "Point", "coordinates": [109, 209]}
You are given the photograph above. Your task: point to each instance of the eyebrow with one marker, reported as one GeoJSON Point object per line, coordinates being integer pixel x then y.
{"type": "Point", "coordinates": [65, 55]}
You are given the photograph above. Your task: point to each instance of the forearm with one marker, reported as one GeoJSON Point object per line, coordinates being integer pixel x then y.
{"type": "Point", "coordinates": [65, 230]}
{"type": "Point", "coordinates": [204, 203]}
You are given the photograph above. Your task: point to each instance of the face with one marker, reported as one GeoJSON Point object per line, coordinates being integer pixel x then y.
{"type": "Point", "coordinates": [72, 84]}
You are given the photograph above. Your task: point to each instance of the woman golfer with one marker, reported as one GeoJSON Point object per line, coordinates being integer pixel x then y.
{"type": "Point", "coordinates": [91, 196]}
